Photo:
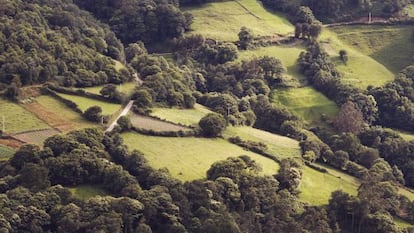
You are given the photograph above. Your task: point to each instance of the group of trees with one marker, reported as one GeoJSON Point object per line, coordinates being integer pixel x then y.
{"type": "Point", "coordinates": [44, 41]}
{"type": "Point", "coordinates": [134, 20]}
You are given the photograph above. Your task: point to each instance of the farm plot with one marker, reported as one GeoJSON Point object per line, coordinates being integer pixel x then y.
{"type": "Point", "coordinates": [36, 137]}
{"type": "Point", "coordinates": [189, 117]}
{"type": "Point", "coordinates": [84, 192]}
{"type": "Point", "coordinates": [60, 110]}
{"type": "Point", "coordinates": [126, 88]}
{"type": "Point", "coordinates": [149, 123]}
{"type": "Point", "coordinates": [17, 119]}
{"type": "Point", "coordinates": [84, 103]}
{"type": "Point", "coordinates": [189, 158]}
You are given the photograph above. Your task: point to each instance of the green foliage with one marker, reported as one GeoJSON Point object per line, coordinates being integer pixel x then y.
{"type": "Point", "coordinates": [125, 123]}
{"type": "Point", "coordinates": [93, 114]}
{"type": "Point", "coordinates": [245, 38]}
{"type": "Point", "coordinates": [55, 42]}
{"type": "Point", "coordinates": [350, 119]}
{"type": "Point", "coordinates": [212, 124]}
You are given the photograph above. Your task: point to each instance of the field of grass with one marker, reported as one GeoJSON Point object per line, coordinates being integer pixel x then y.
{"type": "Point", "coordinates": [307, 103]}
{"type": "Point", "coordinates": [150, 123]}
{"type": "Point", "coordinates": [118, 65]}
{"type": "Point", "coordinates": [189, 117]}
{"type": "Point", "coordinates": [63, 111]}
{"type": "Point", "coordinates": [190, 158]}
{"type": "Point", "coordinates": [85, 192]}
{"type": "Point", "coordinates": [5, 152]}
{"type": "Point", "coordinates": [406, 135]}
{"type": "Point", "coordinates": [288, 56]}
{"type": "Point", "coordinates": [280, 146]}
{"type": "Point", "coordinates": [402, 224]}
{"type": "Point", "coordinates": [392, 46]}
{"type": "Point", "coordinates": [126, 88]}
{"type": "Point", "coordinates": [361, 70]}
{"type": "Point", "coordinates": [17, 119]}
{"type": "Point", "coordinates": [316, 187]}
{"type": "Point", "coordinates": [223, 20]}
{"type": "Point", "coordinates": [84, 103]}
{"type": "Point", "coordinates": [408, 10]}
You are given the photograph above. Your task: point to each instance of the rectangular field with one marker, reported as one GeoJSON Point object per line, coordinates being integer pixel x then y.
{"type": "Point", "coordinates": [84, 103]}
{"type": "Point", "coordinates": [190, 158]}
{"type": "Point", "coordinates": [84, 192]}
{"type": "Point", "coordinates": [18, 119]}
{"type": "Point", "coordinates": [5, 152]}
{"type": "Point", "coordinates": [126, 88]}
{"type": "Point", "coordinates": [36, 137]}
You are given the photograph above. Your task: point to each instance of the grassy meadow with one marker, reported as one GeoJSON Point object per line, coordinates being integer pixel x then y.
{"type": "Point", "coordinates": [84, 192]}
{"type": "Point", "coordinates": [189, 117]}
{"type": "Point", "coordinates": [280, 146]}
{"type": "Point", "coordinates": [307, 103]}
{"type": "Point", "coordinates": [189, 158]}
{"type": "Point", "coordinates": [84, 103]}
{"type": "Point", "coordinates": [391, 46]}
{"type": "Point", "coordinates": [17, 119]}
{"type": "Point", "coordinates": [361, 70]}
{"type": "Point", "coordinates": [150, 123]}
{"type": "Point", "coordinates": [223, 20]}
{"type": "Point", "coordinates": [126, 88]}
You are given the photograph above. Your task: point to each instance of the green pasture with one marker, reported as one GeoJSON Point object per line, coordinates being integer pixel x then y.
{"type": "Point", "coordinates": [223, 20]}
{"type": "Point", "coordinates": [189, 117]}
{"type": "Point", "coordinates": [307, 103]}
{"type": "Point", "coordinates": [126, 88]}
{"type": "Point", "coordinates": [63, 111]}
{"type": "Point", "coordinates": [279, 146]}
{"type": "Point", "coordinates": [189, 158]}
{"type": "Point", "coordinates": [84, 103]}
{"type": "Point", "coordinates": [5, 152]}
{"type": "Point", "coordinates": [287, 54]}
{"type": "Point", "coordinates": [84, 192]}
{"type": "Point", "coordinates": [361, 70]}
{"type": "Point", "coordinates": [17, 119]}
{"type": "Point", "coordinates": [149, 123]}
{"type": "Point", "coordinates": [392, 46]}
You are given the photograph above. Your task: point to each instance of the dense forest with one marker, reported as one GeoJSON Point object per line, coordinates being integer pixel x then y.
{"type": "Point", "coordinates": [63, 44]}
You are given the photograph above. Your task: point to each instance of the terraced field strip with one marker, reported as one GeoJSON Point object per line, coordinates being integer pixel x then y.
{"type": "Point", "coordinates": [84, 192]}
{"type": "Point", "coordinates": [279, 146]}
{"type": "Point", "coordinates": [223, 20]}
{"type": "Point", "coordinates": [61, 111]}
{"type": "Point", "coordinates": [17, 119]}
{"type": "Point", "coordinates": [189, 117]}
{"type": "Point", "coordinates": [150, 123]}
{"type": "Point", "coordinates": [189, 158]}
{"type": "Point", "coordinates": [36, 137]}
{"type": "Point", "coordinates": [84, 103]}
{"type": "Point", "coordinates": [126, 88]}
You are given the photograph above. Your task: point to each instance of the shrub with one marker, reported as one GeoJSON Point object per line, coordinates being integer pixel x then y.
{"type": "Point", "coordinates": [93, 113]}
{"type": "Point", "coordinates": [212, 124]}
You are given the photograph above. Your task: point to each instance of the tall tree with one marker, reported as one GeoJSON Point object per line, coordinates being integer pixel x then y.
{"type": "Point", "coordinates": [350, 119]}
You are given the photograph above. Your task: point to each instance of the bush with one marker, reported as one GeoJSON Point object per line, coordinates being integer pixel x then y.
{"type": "Point", "coordinates": [93, 113]}
{"type": "Point", "coordinates": [124, 123]}
{"type": "Point", "coordinates": [212, 124]}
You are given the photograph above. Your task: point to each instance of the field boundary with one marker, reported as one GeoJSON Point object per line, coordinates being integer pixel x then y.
{"type": "Point", "coordinates": [248, 11]}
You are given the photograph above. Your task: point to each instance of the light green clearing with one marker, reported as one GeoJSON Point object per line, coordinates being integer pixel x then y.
{"type": "Point", "coordinates": [84, 192]}
{"type": "Point", "coordinates": [84, 103]}
{"type": "Point", "coordinates": [402, 224]}
{"type": "Point", "coordinates": [361, 70]}
{"type": "Point", "coordinates": [405, 135]}
{"type": "Point", "coordinates": [189, 117]}
{"type": "Point", "coordinates": [307, 103]}
{"type": "Point", "coordinates": [118, 65]}
{"type": "Point", "coordinates": [408, 10]}
{"type": "Point", "coordinates": [288, 56]}
{"type": "Point", "coordinates": [5, 152]}
{"type": "Point", "coordinates": [17, 119]}
{"type": "Point", "coordinates": [63, 111]}
{"type": "Point", "coordinates": [409, 193]}
{"type": "Point", "coordinates": [189, 158]}
{"type": "Point", "coordinates": [126, 88]}
{"type": "Point", "coordinates": [316, 187]}
{"type": "Point", "coordinates": [223, 20]}
{"type": "Point", "coordinates": [150, 123]}
{"type": "Point", "coordinates": [392, 46]}
{"type": "Point", "coordinates": [279, 146]}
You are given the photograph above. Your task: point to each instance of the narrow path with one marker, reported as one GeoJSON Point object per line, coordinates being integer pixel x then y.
{"type": "Point", "coordinates": [123, 113]}
{"type": "Point", "coordinates": [246, 9]}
